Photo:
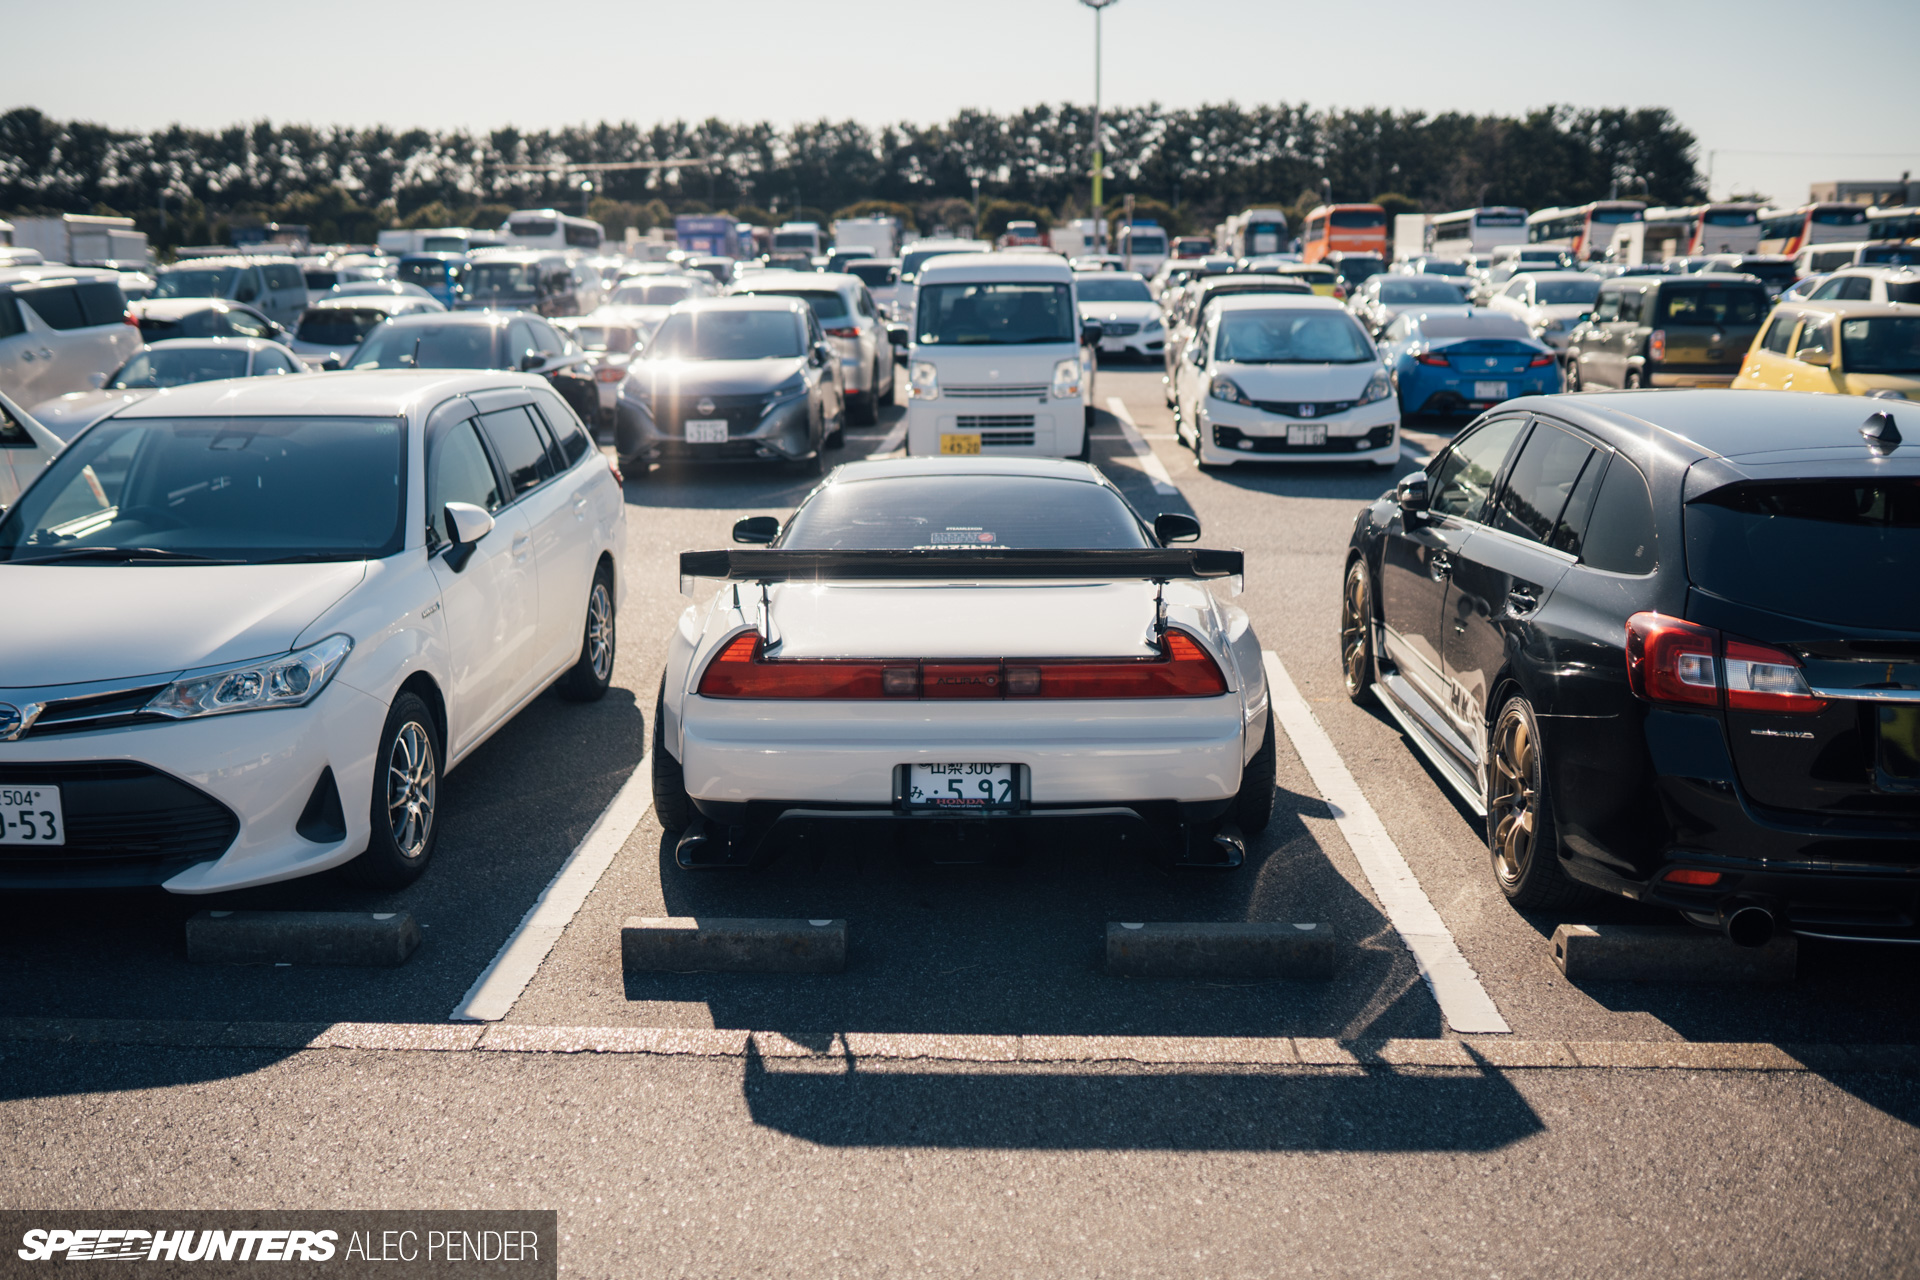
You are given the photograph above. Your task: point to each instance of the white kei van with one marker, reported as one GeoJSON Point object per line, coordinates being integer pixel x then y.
{"type": "Point", "coordinates": [998, 359]}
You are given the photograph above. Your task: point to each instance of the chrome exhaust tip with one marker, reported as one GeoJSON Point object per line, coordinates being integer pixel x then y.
{"type": "Point", "coordinates": [1748, 926]}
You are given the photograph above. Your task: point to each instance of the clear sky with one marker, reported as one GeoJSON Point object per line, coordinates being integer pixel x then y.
{"type": "Point", "coordinates": [1783, 93]}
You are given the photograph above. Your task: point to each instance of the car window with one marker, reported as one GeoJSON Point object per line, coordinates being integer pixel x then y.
{"type": "Point", "coordinates": [1517, 289]}
{"type": "Point", "coordinates": [1779, 333]}
{"type": "Point", "coordinates": [1712, 305]}
{"type": "Point", "coordinates": [1466, 473]}
{"type": "Point", "coordinates": [270, 362]}
{"type": "Point", "coordinates": [12, 434]}
{"type": "Point", "coordinates": [1570, 533]}
{"type": "Point", "coordinates": [952, 513]}
{"type": "Point", "coordinates": [248, 287]}
{"type": "Point", "coordinates": [1856, 289]}
{"type": "Point", "coordinates": [1540, 481]}
{"type": "Point", "coordinates": [58, 305]}
{"type": "Point", "coordinates": [459, 471]}
{"type": "Point", "coordinates": [574, 444]}
{"type": "Point", "coordinates": [101, 301]}
{"type": "Point", "coordinates": [284, 275]}
{"type": "Point", "coordinates": [9, 316]}
{"type": "Point", "coordinates": [546, 338]}
{"type": "Point", "coordinates": [520, 343]}
{"type": "Point", "coordinates": [520, 448]}
{"type": "Point", "coordinates": [1829, 290]}
{"type": "Point", "coordinates": [247, 324]}
{"type": "Point", "coordinates": [1619, 536]}
{"type": "Point", "coordinates": [1816, 335]}
{"type": "Point", "coordinates": [1608, 308]}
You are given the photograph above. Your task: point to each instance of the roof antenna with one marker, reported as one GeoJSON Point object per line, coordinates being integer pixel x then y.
{"type": "Point", "coordinates": [1159, 636]}
{"type": "Point", "coordinates": [1882, 436]}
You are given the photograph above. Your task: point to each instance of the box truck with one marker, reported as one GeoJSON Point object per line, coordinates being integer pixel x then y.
{"type": "Point", "coordinates": [83, 240]}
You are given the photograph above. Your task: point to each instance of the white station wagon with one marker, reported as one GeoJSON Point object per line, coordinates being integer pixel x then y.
{"type": "Point", "coordinates": [252, 624]}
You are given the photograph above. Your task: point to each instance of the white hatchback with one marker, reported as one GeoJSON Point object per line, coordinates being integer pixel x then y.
{"type": "Point", "coordinates": [252, 624]}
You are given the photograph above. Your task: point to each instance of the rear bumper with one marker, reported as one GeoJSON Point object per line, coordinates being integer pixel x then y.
{"type": "Point", "coordinates": [1657, 379]}
{"type": "Point", "coordinates": [1873, 904]}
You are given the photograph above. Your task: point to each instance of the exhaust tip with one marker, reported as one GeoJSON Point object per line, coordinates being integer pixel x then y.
{"type": "Point", "coordinates": [1750, 926]}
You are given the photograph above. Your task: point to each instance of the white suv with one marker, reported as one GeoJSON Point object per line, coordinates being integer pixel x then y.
{"type": "Point", "coordinates": [1870, 284]}
{"type": "Point", "coordinates": [58, 326]}
{"type": "Point", "coordinates": [999, 360]}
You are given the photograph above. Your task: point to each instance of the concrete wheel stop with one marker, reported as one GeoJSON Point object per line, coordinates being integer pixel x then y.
{"type": "Point", "coordinates": [1668, 953]}
{"type": "Point", "coordinates": [709, 944]}
{"type": "Point", "coordinates": [367, 939]}
{"type": "Point", "coordinates": [1201, 949]}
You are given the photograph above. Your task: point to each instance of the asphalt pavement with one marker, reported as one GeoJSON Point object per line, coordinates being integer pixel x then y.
{"type": "Point", "coordinates": [959, 1163]}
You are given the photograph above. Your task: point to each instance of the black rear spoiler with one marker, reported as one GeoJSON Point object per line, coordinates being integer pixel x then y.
{"type": "Point", "coordinates": [1159, 564]}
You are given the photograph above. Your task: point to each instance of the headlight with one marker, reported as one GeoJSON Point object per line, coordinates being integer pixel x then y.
{"type": "Point", "coordinates": [1066, 379]}
{"type": "Point", "coordinates": [1153, 326]}
{"type": "Point", "coordinates": [1229, 390]}
{"type": "Point", "coordinates": [1379, 387]}
{"type": "Point", "coordinates": [787, 392]}
{"type": "Point", "coordinates": [290, 680]}
{"type": "Point", "coordinates": [924, 384]}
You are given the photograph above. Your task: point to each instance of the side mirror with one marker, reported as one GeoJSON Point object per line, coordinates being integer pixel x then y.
{"type": "Point", "coordinates": [531, 361]}
{"type": "Point", "coordinates": [1090, 335]}
{"type": "Point", "coordinates": [466, 524]}
{"type": "Point", "coordinates": [1411, 492]}
{"type": "Point", "coordinates": [898, 336]}
{"type": "Point", "coordinates": [330, 363]}
{"type": "Point", "coordinates": [96, 380]}
{"type": "Point", "coordinates": [1172, 526]}
{"type": "Point", "coordinates": [1824, 359]}
{"type": "Point", "coordinates": [817, 357]}
{"type": "Point", "coordinates": [756, 529]}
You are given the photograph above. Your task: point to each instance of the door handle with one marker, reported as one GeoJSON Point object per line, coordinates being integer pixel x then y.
{"type": "Point", "coordinates": [580, 505]}
{"type": "Point", "coordinates": [1439, 565]}
{"type": "Point", "coordinates": [46, 353]}
{"type": "Point", "coordinates": [522, 544]}
{"type": "Point", "coordinates": [1521, 601]}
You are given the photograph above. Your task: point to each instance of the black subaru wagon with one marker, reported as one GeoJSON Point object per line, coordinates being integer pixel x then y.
{"type": "Point", "coordinates": [1668, 642]}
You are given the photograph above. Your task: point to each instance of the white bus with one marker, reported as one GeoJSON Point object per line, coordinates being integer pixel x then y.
{"type": "Point", "coordinates": [1788, 231]}
{"type": "Point", "coordinates": [1585, 231]}
{"type": "Point", "coordinates": [1253, 232]}
{"type": "Point", "coordinates": [1714, 228]}
{"type": "Point", "coordinates": [551, 229]}
{"type": "Point", "coordinates": [1474, 231]}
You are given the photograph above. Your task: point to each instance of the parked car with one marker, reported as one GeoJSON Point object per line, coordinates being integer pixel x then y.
{"type": "Point", "coordinates": [610, 342]}
{"type": "Point", "coordinates": [1316, 276]}
{"type": "Point", "coordinates": [173, 363]}
{"type": "Point", "coordinates": [1452, 364]}
{"type": "Point", "coordinates": [1382, 297]}
{"type": "Point", "coordinates": [1183, 309]}
{"type": "Point", "coordinates": [507, 340]}
{"type": "Point", "coordinates": [390, 615]}
{"type": "Point", "coordinates": [1614, 625]}
{"type": "Point", "coordinates": [333, 327]}
{"type": "Point", "coordinates": [536, 280]}
{"type": "Point", "coordinates": [733, 379]}
{"type": "Point", "coordinates": [1802, 289]}
{"type": "Point", "coordinates": [1284, 379]}
{"type": "Point", "coordinates": [1775, 271]}
{"type": "Point", "coordinates": [1666, 331]}
{"type": "Point", "coordinates": [274, 287]}
{"type": "Point", "coordinates": [1870, 284]}
{"type": "Point", "coordinates": [1551, 304]}
{"type": "Point", "coordinates": [1845, 348]}
{"type": "Point", "coordinates": [854, 327]}
{"type": "Point", "coordinates": [58, 326]}
{"type": "Point", "coordinates": [1488, 283]}
{"type": "Point", "coordinates": [161, 318]}
{"type": "Point", "coordinates": [25, 448]}
{"type": "Point", "coordinates": [1354, 269]}
{"type": "Point", "coordinates": [882, 278]}
{"type": "Point", "coordinates": [1124, 308]}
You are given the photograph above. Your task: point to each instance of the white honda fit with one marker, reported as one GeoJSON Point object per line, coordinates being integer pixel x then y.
{"type": "Point", "coordinates": [252, 624]}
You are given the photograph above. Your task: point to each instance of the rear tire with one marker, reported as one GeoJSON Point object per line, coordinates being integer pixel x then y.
{"type": "Point", "coordinates": [671, 803]}
{"type": "Point", "coordinates": [1522, 838]}
{"type": "Point", "coordinates": [587, 680]}
{"type": "Point", "coordinates": [1253, 805]}
{"type": "Point", "coordinates": [1357, 669]}
{"type": "Point", "coordinates": [863, 408]}
{"type": "Point", "coordinates": [404, 812]}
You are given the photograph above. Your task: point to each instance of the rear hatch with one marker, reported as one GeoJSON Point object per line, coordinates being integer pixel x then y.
{"type": "Point", "coordinates": [1824, 571]}
{"type": "Point", "coordinates": [1706, 326]}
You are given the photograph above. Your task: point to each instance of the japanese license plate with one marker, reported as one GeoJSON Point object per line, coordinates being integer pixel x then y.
{"type": "Point", "coordinates": [1489, 391]}
{"type": "Point", "coordinates": [959, 443]}
{"type": "Point", "coordinates": [31, 815]}
{"type": "Point", "coordinates": [1315, 434]}
{"type": "Point", "coordinates": [706, 430]}
{"type": "Point", "coordinates": [962, 786]}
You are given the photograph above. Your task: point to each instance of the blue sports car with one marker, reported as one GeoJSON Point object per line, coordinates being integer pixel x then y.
{"type": "Point", "coordinates": [1455, 364]}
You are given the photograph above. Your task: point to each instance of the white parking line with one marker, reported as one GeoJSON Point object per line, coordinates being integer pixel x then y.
{"type": "Point", "coordinates": [893, 439]}
{"type": "Point", "coordinates": [499, 986]}
{"type": "Point", "coordinates": [1456, 988]}
{"type": "Point", "coordinates": [1162, 482]}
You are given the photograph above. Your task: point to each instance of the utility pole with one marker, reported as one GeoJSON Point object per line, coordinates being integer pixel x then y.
{"type": "Point", "coordinates": [1099, 159]}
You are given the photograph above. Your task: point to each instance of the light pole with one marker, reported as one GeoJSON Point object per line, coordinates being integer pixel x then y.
{"type": "Point", "coordinates": [1099, 160]}
{"type": "Point", "coordinates": [586, 195]}
{"type": "Point", "coordinates": [976, 208]}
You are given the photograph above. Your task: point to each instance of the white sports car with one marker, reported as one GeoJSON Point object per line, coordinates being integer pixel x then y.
{"type": "Point", "coordinates": [989, 641]}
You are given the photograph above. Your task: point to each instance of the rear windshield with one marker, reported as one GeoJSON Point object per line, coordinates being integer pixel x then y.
{"type": "Point", "coordinates": [1010, 313]}
{"type": "Point", "coordinates": [1557, 293]}
{"type": "Point", "coordinates": [956, 512]}
{"type": "Point", "coordinates": [1881, 344]}
{"type": "Point", "coordinates": [652, 295]}
{"type": "Point", "coordinates": [1408, 289]}
{"type": "Point", "coordinates": [727, 335]}
{"type": "Point", "coordinates": [596, 337]}
{"type": "Point", "coordinates": [1113, 289]}
{"type": "Point", "coordinates": [195, 282]}
{"type": "Point", "coordinates": [1704, 304]}
{"type": "Point", "coordinates": [1358, 219]}
{"type": "Point", "coordinates": [826, 304]}
{"type": "Point", "coordinates": [871, 274]}
{"type": "Point", "coordinates": [428, 346]}
{"type": "Point", "coordinates": [1443, 268]}
{"type": "Point", "coordinates": [428, 275]}
{"type": "Point", "coordinates": [503, 277]}
{"type": "Point", "coordinates": [911, 264]}
{"type": "Point", "coordinates": [1780, 272]}
{"type": "Point", "coordinates": [1777, 545]}
{"type": "Point", "coordinates": [338, 326]}
{"type": "Point", "coordinates": [177, 366]}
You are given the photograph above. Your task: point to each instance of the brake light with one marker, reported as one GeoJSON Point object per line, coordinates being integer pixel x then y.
{"type": "Point", "coordinates": [130, 318]}
{"type": "Point", "coordinates": [1657, 345]}
{"type": "Point", "coordinates": [843, 333]}
{"type": "Point", "coordinates": [741, 671]}
{"type": "Point", "coordinates": [611, 374]}
{"type": "Point", "coordinates": [1339, 291]}
{"type": "Point", "coordinates": [613, 465]}
{"type": "Point", "coordinates": [1540, 362]}
{"type": "Point", "coordinates": [1687, 875]}
{"type": "Point", "coordinates": [1669, 660]}
{"type": "Point", "coordinates": [1438, 362]}
{"type": "Point", "coordinates": [1763, 679]}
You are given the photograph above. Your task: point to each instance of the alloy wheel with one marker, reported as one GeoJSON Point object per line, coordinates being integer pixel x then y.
{"type": "Point", "coordinates": [1513, 797]}
{"type": "Point", "coordinates": [412, 778]}
{"type": "Point", "coordinates": [1353, 632]}
{"type": "Point", "coordinates": [600, 631]}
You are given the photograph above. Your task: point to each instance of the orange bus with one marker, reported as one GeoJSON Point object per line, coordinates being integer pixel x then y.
{"type": "Point", "coordinates": [1351, 228]}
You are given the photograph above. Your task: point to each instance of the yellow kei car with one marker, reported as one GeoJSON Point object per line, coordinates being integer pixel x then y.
{"type": "Point", "coordinates": [1844, 348]}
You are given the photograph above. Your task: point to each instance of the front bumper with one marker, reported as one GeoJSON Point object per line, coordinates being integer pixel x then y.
{"type": "Point", "coordinates": [1053, 429]}
{"type": "Point", "coordinates": [783, 433]}
{"type": "Point", "coordinates": [1142, 344]}
{"type": "Point", "coordinates": [200, 806]}
{"type": "Point", "coordinates": [1235, 433]}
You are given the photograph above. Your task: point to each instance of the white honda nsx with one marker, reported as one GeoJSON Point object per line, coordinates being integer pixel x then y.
{"type": "Point", "coordinates": [991, 642]}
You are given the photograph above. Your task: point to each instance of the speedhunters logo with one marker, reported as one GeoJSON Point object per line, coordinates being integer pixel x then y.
{"type": "Point", "coordinates": [423, 1243]}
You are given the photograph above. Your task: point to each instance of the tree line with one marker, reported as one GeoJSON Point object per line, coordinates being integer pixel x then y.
{"type": "Point", "coordinates": [1191, 166]}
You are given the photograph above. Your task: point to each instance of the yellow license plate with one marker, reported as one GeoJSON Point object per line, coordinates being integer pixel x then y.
{"type": "Point", "coordinates": [959, 444]}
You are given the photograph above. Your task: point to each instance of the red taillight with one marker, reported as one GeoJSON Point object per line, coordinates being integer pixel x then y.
{"type": "Point", "coordinates": [1438, 362]}
{"type": "Point", "coordinates": [130, 318]}
{"type": "Point", "coordinates": [1187, 671]}
{"type": "Point", "coordinates": [1657, 345]}
{"type": "Point", "coordinates": [613, 465]}
{"type": "Point", "coordinates": [1686, 875]}
{"type": "Point", "coordinates": [1339, 291]}
{"type": "Point", "coordinates": [610, 375]}
{"type": "Point", "coordinates": [1669, 660]}
{"type": "Point", "coordinates": [843, 333]}
{"type": "Point", "coordinates": [1539, 362]}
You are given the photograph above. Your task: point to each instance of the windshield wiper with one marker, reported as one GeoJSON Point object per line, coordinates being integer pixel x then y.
{"type": "Point", "coordinates": [312, 557]}
{"type": "Point", "coordinates": [121, 555]}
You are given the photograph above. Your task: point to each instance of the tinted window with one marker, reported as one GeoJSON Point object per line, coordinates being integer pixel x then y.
{"type": "Point", "coordinates": [1540, 481]}
{"type": "Point", "coordinates": [517, 443]}
{"type": "Point", "coordinates": [1704, 304]}
{"type": "Point", "coordinates": [1465, 479]}
{"type": "Point", "coordinates": [492, 278]}
{"type": "Point", "coordinates": [652, 295]}
{"type": "Point", "coordinates": [1881, 344]}
{"type": "Point", "coordinates": [196, 282]}
{"type": "Point", "coordinates": [1359, 219]}
{"type": "Point", "coordinates": [9, 316]}
{"type": "Point", "coordinates": [1291, 337]}
{"type": "Point", "coordinates": [1608, 308]}
{"type": "Point", "coordinates": [1570, 534]}
{"type": "Point", "coordinates": [727, 335]}
{"type": "Point", "coordinates": [195, 324]}
{"type": "Point", "coordinates": [337, 326]}
{"type": "Point", "coordinates": [566, 428]}
{"type": "Point", "coordinates": [1779, 333]}
{"type": "Point", "coordinates": [1113, 289]}
{"type": "Point", "coordinates": [1816, 335]}
{"type": "Point", "coordinates": [1775, 546]}
{"type": "Point", "coordinates": [459, 472]}
{"type": "Point", "coordinates": [284, 275]}
{"type": "Point", "coordinates": [1620, 532]}
{"type": "Point", "coordinates": [1903, 291]}
{"type": "Point", "coordinates": [1400, 290]}
{"type": "Point", "coordinates": [177, 366]}
{"type": "Point", "coordinates": [58, 306]}
{"type": "Point", "coordinates": [101, 302]}
{"type": "Point", "coordinates": [1006, 313]}
{"type": "Point", "coordinates": [434, 346]}
{"type": "Point", "coordinates": [1556, 293]}
{"type": "Point", "coordinates": [826, 305]}
{"type": "Point", "coordinates": [872, 274]}
{"type": "Point", "coordinates": [247, 324]}
{"type": "Point", "coordinates": [954, 512]}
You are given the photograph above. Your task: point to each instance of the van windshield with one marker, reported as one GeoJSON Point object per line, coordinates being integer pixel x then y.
{"type": "Point", "coordinates": [651, 295]}
{"type": "Point", "coordinates": [427, 346]}
{"type": "Point", "coordinates": [503, 277]}
{"type": "Point", "coordinates": [195, 282]}
{"type": "Point", "coordinates": [982, 313]}
{"type": "Point", "coordinates": [911, 264]}
{"type": "Point", "coordinates": [1704, 304]}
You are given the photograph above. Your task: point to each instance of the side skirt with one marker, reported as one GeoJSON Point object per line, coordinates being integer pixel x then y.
{"type": "Point", "coordinates": [1439, 744]}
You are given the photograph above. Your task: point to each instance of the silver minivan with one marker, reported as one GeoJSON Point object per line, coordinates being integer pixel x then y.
{"type": "Point", "coordinates": [58, 326]}
{"type": "Point", "coordinates": [273, 286]}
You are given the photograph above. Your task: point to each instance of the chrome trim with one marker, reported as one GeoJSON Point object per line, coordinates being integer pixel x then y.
{"type": "Point", "coordinates": [50, 693]}
{"type": "Point", "coordinates": [1869, 695]}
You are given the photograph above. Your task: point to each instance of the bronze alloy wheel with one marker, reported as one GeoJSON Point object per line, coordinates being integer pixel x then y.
{"type": "Point", "coordinates": [1356, 632]}
{"type": "Point", "coordinates": [412, 782]}
{"type": "Point", "coordinates": [1513, 798]}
